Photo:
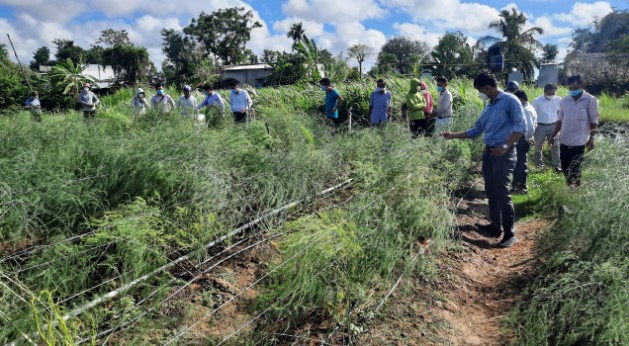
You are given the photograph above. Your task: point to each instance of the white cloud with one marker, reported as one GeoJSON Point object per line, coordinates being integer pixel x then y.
{"type": "Point", "coordinates": [417, 32]}
{"type": "Point", "coordinates": [311, 28]}
{"type": "Point", "coordinates": [584, 13]}
{"type": "Point", "coordinates": [550, 29]}
{"type": "Point", "coordinates": [334, 11]}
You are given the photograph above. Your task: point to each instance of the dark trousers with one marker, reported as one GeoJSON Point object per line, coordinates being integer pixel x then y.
{"type": "Point", "coordinates": [418, 127]}
{"type": "Point", "coordinates": [240, 117]}
{"type": "Point", "coordinates": [521, 171]}
{"type": "Point", "coordinates": [89, 114]}
{"type": "Point", "coordinates": [571, 161]}
{"type": "Point", "coordinates": [496, 173]}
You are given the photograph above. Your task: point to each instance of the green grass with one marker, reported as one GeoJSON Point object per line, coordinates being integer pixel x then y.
{"type": "Point", "coordinates": [535, 203]}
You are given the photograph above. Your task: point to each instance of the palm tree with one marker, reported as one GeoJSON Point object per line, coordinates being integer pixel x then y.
{"type": "Point", "coordinates": [67, 77]}
{"type": "Point", "coordinates": [296, 32]}
{"type": "Point", "coordinates": [518, 44]}
{"type": "Point", "coordinates": [307, 49]}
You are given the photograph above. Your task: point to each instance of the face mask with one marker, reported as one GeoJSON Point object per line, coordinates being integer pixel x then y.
{"type": "Point", "coordinates": [86, 89]}
{"type": "Point", "coordinates": [160, 92]}
{"type": "Point", "coordinates": [575, 93]}
{"type": "Point", "coordinates": [324, 88]}
{"type": "Point", "coordinates": [483, 96]}
{"type": "Point", "coordinates": [141, 96]}
{"type": "Point", "coordinates": [235, 91]}
{"type": "Point", "coordinates": [439, 88]}
{"type": "Point", "coordinates": [379, 89]}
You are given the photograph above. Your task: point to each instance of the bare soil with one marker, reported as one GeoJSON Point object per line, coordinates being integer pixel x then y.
{"type": "Point", "coordinates": [467, 299]}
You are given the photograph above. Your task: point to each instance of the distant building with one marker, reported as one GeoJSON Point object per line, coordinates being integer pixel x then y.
{"type": "Point", "coordinates": [252, 74]}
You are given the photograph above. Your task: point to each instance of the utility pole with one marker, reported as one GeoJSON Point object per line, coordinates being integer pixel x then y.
{"type": "Point", "coordinates": [19, 63]}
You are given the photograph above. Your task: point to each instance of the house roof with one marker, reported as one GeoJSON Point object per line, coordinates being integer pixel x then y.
{"type": "Point", "coordinates": [246, 67]}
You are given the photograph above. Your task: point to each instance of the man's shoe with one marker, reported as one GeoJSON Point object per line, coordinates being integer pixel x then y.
{"type": "Point", "coordinates": [508, 241]}
{"type": "Point", "coordinates": [488, 230]}
{"type": "Point", "coordinates": [558, 169]}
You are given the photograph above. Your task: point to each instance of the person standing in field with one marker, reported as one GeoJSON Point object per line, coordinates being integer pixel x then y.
{"type": "Point", "coordinates": [211, 99]}
{"type": "Point", "coordinates": [380, 104]}
{"type": "Point", "coordinates": [34, 105]}
{"type": "Point", "coordinates": [521, 171]}
{"type": "Point", "coordinates": [139, 102]}
{"type": "Point", "coordinates": [333, 101]}
{"type": "Point", "coordinates": [414, 105]}
{"type": "Point", "coordinates": [444, 113]}
{"type": "Point", "coordinates": [576, 123]}
{"type": "Point", "coordinates": [547, 108]}
{"type": "Point", "coordinates": [240, 102]}
{"type": "Point", "coordinates": [187, 103]}
{"type": "Point", "coordinates": [88, 101]}
{"type": "Point", "coordinates": [503, 123]}
{"type": "Point", "coordinates": [429, 104]}
{"type": "Point", "coordinates": [161, 100]}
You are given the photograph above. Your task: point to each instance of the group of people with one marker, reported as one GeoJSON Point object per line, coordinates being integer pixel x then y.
{"type": "Point", "coordinates": [511, 125]}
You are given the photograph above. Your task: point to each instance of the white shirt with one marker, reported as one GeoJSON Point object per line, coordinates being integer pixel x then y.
{"type": "Point", "coordinates": [531, 120]}
{"type": "Point", "coordinates": [187, 105]}
{"type": "Point", "coordinates": [163, 102]}
{"type": "Point", "coordinates": [547, 109]}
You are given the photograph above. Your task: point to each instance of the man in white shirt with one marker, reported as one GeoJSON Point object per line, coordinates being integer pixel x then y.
{"type": "Point", "coordinates": [521, 171]}
{"type": "Point", "coordinates": [32, 103]}
{"type": "Point", "coordinates": [444, 112]}
{"type": "Point", "coordinates": [187, 103]}
{"type": "Point", "coordinates": [139, 102]}
{"type": "Point", "coordinates": [162, 101]}
{"type": "Point", "coordinates": [88, 101]}
{"type": "Point", "coordinates": [547, 107]}
{"type": "Point", "coordinates": [240, 102]}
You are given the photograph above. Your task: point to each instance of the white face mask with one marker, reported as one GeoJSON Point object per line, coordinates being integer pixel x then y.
{"type": "Point", "coordinates": [483, 96]}
{"type": "Point", "coordinates": [86, 89]}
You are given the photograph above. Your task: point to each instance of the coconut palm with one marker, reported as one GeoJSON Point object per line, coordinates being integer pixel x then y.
{"type": "Point", "coordinates": [67, 77]}
{"type": "Point", "coordinates": [296, 32]}
{"type": "Point", "coordinates": [519, 44]}
{"type": "Point", "coordinates": [307, 49]}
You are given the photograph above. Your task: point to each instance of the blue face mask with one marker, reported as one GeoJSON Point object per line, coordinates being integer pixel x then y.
{"type": "Point", "coordinates": [324, 88]}
{"type": "Point", "coordinates": [234, 91]}
{"type": "Point", "coordinates": [160, 92]}
{"type": "Point", "coordinates": [378, 89]}
{"type": "Point", "coordinates": [439, 88]}
{"type": "Point", "coordinates": [575, 93]}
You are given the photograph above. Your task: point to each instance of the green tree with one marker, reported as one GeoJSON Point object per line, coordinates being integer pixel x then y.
{"type": "Point", "coordinates": [519, 44]}
{"type": "Point", "coordinates": [14, 89]}
{"type": "Point", "coordinates": [67, 77]}
{"type": "Point", "coordinates": [131, 63]}
{"type": "Point", "coordinates": [224, 33]}
{"type": "Point", "coordinates": [549, 53]}
{"type": "Point", "coordinates": [359, 52]}
{"type": "Point", "coordinates": [307, 49]}
{"type": "Point", "coordinates": [67, 50]}
{"type": "Point", "coordinates": [270, 56]}
{"type": "Point", "coordinates": [111, 37]}
{"type": "Point", "coordinates": [453, 55]}
{"type": "Point", "coordinates": [296, 32]}
{"type": "Point", "coordinates": [182, 55]}
{"type": "Point", "coordinates": [4, 53]}
{"type": "Point", "coordinates": [400, 55]}
{"type": "Point", "coordinates": [41, 56]}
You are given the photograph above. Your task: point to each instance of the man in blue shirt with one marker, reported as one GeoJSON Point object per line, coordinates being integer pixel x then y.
{"type": "Point", "coordinates": [333, 101]}
{"type": "Point", "coordinates": [380, 104]}
{"type": "Point", "coordinates": [211, 98]}
{"type": "Point", "coordinates": [503, 123]}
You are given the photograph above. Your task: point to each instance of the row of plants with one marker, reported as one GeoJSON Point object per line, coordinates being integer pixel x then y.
{"type": "Point", "coordinates": [580, 296]}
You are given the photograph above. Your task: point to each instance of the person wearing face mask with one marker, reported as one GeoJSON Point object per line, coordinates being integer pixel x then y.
{"type": "Point", "coordinates": [443, 113]}
{"type": "Point", "coordinates": [139, 102]}
{"type": "Point", "coordinates": [521, 171]}
{"type": "Point", "coordinates": [211, 99]}
{"type": "Point", "coordinates": [88, 101]}
{"type": "Point", "coordinates": [423, 90]}
{"type": "Point", "coordinates": [34, 105]}
{"type": "Point", "coordinates": [240, 102]}
{"type": "Point", "coordinates": [333, 101]}
{"type": "Point", "coordinates": [547, 108]}
{"type": "Point", "coordinates": [187, 103]}
{"type": "Point", "coordinates": [503, 123]}
{"type": "Point", "coordinates": [380, 104]}
{"type": "Point", "coordinates": [161, 100]}
{"type": "Point", "coordinates": [414, 107]}
{"type": "Point", "coordinates": [576, 123]}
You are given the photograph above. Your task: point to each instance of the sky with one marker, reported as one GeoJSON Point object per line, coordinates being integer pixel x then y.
{"type": "Point", "coordinates": [334, 24]}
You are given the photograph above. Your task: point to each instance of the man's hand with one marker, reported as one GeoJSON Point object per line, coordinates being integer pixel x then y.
{"type": "Point", "coordinates": [498, 151]}
{"type": "Point", "coordinates": [551, 141]}
{"type": "Point", "coordinates": [590, 144]}
{"type": "Point", "coordinates": [447, 135]}
{"type": "Point", "coordinates": [531, 141]}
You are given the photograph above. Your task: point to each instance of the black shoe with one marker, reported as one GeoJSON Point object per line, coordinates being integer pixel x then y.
{"type": "Point", "coordinates": [488, 230]}
{"type": "Point", "coordinates": [508, 241]}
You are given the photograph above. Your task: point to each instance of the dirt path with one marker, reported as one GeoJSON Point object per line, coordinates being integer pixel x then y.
{"type": "Point", "coordinates": [471, 292]}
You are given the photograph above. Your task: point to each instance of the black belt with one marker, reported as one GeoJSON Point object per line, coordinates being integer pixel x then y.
{"type": "Point", "coordinates": [546, 124]}
{"type": "Point", "coordinates": [443, 117]}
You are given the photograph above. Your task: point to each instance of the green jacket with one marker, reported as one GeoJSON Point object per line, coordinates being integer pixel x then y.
{"type": "Point", "coordinates": [415, 101]}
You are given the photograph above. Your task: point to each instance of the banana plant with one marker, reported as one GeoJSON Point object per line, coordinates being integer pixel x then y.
{"type": "Point", "coordinates": [67, 77]}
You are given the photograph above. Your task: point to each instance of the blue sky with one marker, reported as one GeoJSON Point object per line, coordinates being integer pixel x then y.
{"type": "Point", "coordinates": [334, 24]}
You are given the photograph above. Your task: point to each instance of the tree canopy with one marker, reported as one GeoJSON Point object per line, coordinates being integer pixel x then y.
{"type": "Point", "coordinates": [400, 55]}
